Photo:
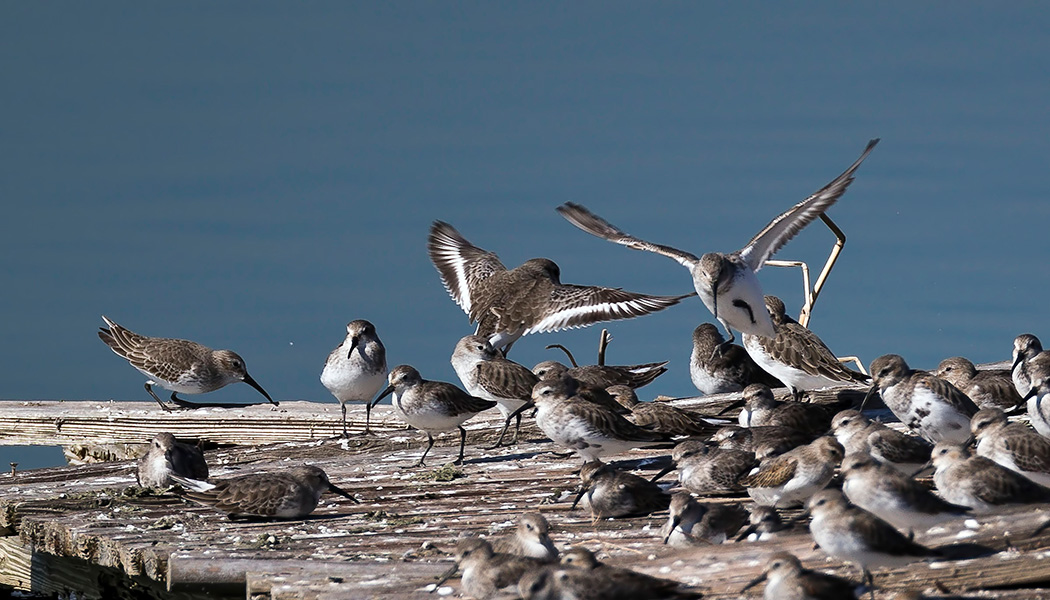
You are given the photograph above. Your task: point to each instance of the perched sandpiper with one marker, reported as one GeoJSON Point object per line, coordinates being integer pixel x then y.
{"type": "Point", "coordinates": [987, 389]}
{"type": "Point", "coordinates": [786, 579]}
{"type": "Point", "coordinates": [979, 482]}
{"type": "Point", "coordinates": [288, 494]}
{"type": "Point", "coordinates": [764, 441]}
{"type": "Point", "coordinates": [181, 366]}
{"type": "Point", "coordinates": [727, 283]}
{"type": "Point", "coordinates": [859, 434]}
{"type": "Point", "coordinates": [718, 368]}
{"type": "Point", "coordinates": [762, 408]}
{"type": "Point", "coordinates": [166, 455]}
{"type": "Point", "coordinates": [485, 571]}
{"type": "Point", "coordinates": [609, 492]}
{"type": "Point", "coordinates": [926, 404]}
{"type": "Point", "coordinates": [531, 538]}
{"type": "Point", "coordinates": [660, 417]}
{"type": "Point", "coordinates": [431, 406]}
{"type": "Point", "coordinates": [603, 376]}
{"type": "Point", "coordinates": [527, 299]}
{"type": "Point", "coordinates": [893, 496]}
{"type": "Point", "coordinates": [591, 430]}
{"type": "Point", "coordinates": [791, 478]}
{"type": "Point", "coordinates": [1029, 361]}
{"type": "Point", "coordinates": [356, 369]}
{"type": "Point", "coordinates": [796, 356]}
{"type": "Point", "coordinates": [1012, 445]}
{"type": "Point", "coordinates": [855, 535]}
{"type": "Point", "coordinates": [1038, 400]}
{"type": "Point", "coordinates": [609, 582]}
{"type": "Point", "coordinates": [763, 525]}
{"type": "Point", "coordinates": [692, 523]}
{"type": "Point", "coordinates": [705, 469]}
{"type": "Point", "coordinates": [485, 373]}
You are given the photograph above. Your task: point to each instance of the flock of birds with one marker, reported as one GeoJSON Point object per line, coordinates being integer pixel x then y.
{"type": "Point", "coordinates": [782, 453]}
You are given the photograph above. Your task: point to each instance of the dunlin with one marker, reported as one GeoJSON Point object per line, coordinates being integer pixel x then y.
{"type": "Point", "coordinates": [763, 524]}
{"type": "Point", "coordinates": [603, 376]}
{"type": "Point", "coordinates": [181, 366]}
{"type": "Point", "coordinates": [1038, 400]}
{"type": "Point", "coordinates": [531, 538]}
{"type": "Point", "coordinates": [1012, 445]}
{"type": "Point", "coordinates": [167, 456]}
{"type": "Point", "coordinates": [431, 406]}
{"type": "Point", "coordinates": [660, 417]}
{"type": "Point", "coordinates": [356, 369]}
{"type": "Point", "coordinates": [987, 389]}
{"type": "Point", "coordinates": [764, 441]}
{"type": "Point", "coordinates": [585, 391]}
{"type": "Point", "coordinates": [762, 408]}
{"type": "Point", "coordinates": [730, 370]}
{"type": "Point", "coordinates": [591, 430]}
{"type": "Point", "coordinates": [926, 404]}
{"type": "Point", "coordinates": [485, 373]}
{"type": "Point", "coordinates": [786, 579]}
{"type": "Point", "coordinates": [289, 494]}
{"type": "Point", "coordinates": [855, 535]}
{"type": "Point", "coordinates": [792, 477]}
{"type": "Point", "coordinates": [617, 582]}
{"type": "Point", "coordinates": [1029, 360]}
{"type": "Point", "coordinates": [979, 482]}
{"type": "Point", "coordinates": [705, 469]}
{"type": "Point", "coordinates": [527, 299]}
{"type": "Point", "coordinates": [859, 434]}
{"type": "Point", "coordinates": [692, 523]}
{"type": "Point", "coordinates": [796, 356]}
{"type": "Point", "coordinates": [893, 496]}
{"type": "Point", "coordinates": [609, 492]}
{"type": "Point", "coordinates": [486, 572]}
{"type": "Point", "coordinates": [727, 283]}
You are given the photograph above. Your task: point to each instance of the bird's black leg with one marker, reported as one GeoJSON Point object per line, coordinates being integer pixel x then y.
{"type": "Point", "coordinates": [462, 443]}
{"type": "Point", "coordinates": [149, 389]}
{"type": "Point", "coordinates": [430, 444]}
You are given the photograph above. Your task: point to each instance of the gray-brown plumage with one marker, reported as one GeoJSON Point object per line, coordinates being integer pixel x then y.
{"type": "Point", "coordinates": [1013, 445]}
{"type": "Point", "coordinates": [603, 376]}
{"type": "Point", "coordinates": [762, 408]}
{"type": "Point", "coordinates": [987, 388]}
{"type": "Point", "coordinates": [764, 523]}
{"type": "Point", "coordinates": [764, 441]}
{"type": "Point", "coordinates": [508, 304]}
{"type": "Point", "coordinates": [705, 469]}
{"type": "Point", "coordinates": [1030, 362]}
{"type": "Point", "coordinates": [583, 391]}
{"type": "Point", "coordinates": [165, 456]}
{"type": "Point", "coordinates": [717, 368]}
{"type": "Point", "coordinates": [693, 523]}
{"type": "Point", "coordinates": [289, 494]}
{"type": "Point", "coordinates": [660, 417]}
{"type": "Point", "coordinates": [859, 434]}
{"type": "Point", "coordinates": [796, 356]}
{"type": "Point", "coordinates": [609, 582]}
{"type": "Point", "coordinates": [609, 492]}
{"type": "Point", "coordinates": [486, 572]}
{"type": "Point", "coordinates": [786, 579]}
{"type": "Point", "coordinates": [487, 374]}
{"type": "Point", "coordinates": [181, 366]}
{"type": "Point", "coordinates": [531, 538]}
{"type": "Point", "coordinates": [979, 482]}
{"type": "Point", "coordinates": [794, 476]}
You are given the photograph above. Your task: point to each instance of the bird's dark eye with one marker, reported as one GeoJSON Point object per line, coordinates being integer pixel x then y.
{"type": "Point", "coordinates": [529, 526]}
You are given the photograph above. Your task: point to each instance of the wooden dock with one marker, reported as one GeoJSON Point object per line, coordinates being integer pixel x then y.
{"type": "Point", "coordinates": [87, 528]}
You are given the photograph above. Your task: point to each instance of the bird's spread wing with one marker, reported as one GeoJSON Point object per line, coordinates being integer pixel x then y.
{"type": "Point", "coordinates": [579, 305]}
{"type": "Point", "coordinates": [781, 229]}
{"type": "Point", "coordinates": [460, 264]}
{"type": "Point", "coordinates": [597, 226]}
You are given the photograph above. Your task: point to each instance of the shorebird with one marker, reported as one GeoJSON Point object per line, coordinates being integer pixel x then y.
{"type": "Point", "coordinates": [581, 425]}
{"type": "Point", "coordinates": [786, 579]}
{"type": "Point", "coordinates": [288, 494]}
{"type": "Point", "coordinates": [762, 408]}
{"type": "Point", "coordinates": [165, 456]}
{"type": "Point", "coordinates": [893, 496]}
{"type": "Point", "coordinates": [603, 376]}
{"type": "Point", "coordinates": [987, 389]}
{"type": "Point", "coordinates": [431, 406]}
{"type": "Point", "coordinates": [1029, 361]}
{"type": "Point", "coordinates": [791, 478]}
{"type": "Point", "coordinates": [181, 366]}
{"type": "Point", "coordinates": [726, 283]}
{"type": "Point", "coordinates": [660, 417]}
{"type": "Point", "coordinates": [609, 492]}
{"type": "Point", "coordinates": [730, 370]}
{"type": "Point", "coordinates": [486, 572]}
{"type": "Point", "coordinates": [705, 469]}
{"type": "Point", "coordinates": [356, 369]}
{"type": "Point", "coordinates": [763, 524]}
{"type": "Point", "coordinates": [485, 373]}
{"type": "Point", "coordinates": [859, 434]}
{"type": "Point", "coordinates": [692, 523]}
{"type": "Point", "coordinates": [796, 356]}
{"type": "Point", "coordinates": [531, 298]}
{"type": "Point", "coordinates": [855, 535]}
{"type": "Point", "coordinates": [1012, 445]}
{"type": "Point", "coordinates": [979, 482]}
{"type": "Point", "coordinates": [609, 582]}
{"type": "Point", "coordinates": [764, 441]}
{"type": "Point", "coordinates": [531, 538]}
{"type": "Point", "coordinates": [926, 404]}
{"type": "Point", "coordinates": [1038, 401]}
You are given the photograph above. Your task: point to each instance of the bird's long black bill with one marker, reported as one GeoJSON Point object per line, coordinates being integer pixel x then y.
{"type": "Point", "coordinates": [583, 490]}
{"type": "Point", "coordinates": [743, 536]}
{"type": "Point", "coordinates": [732, 406]}
{"type": "Point", "coordinates": [874, 389]}
{"type": "Point", "coordinates": [389, 390]}
{"type": "Point", "coordinates": [753, 583]}
{"type": "Point", "coordinates": [338, 490]}
{"type": "Point", "coordinates": [521, 409]}
{"type": "Point", "coordinates": [248, 379]}
{"type": "Point", "coordinates": [663, 472]}
{"type": "Point", "coordinates": [675, 521]}
{"type": "Point", "coordinates": [445, 576]}
{"type": "Point", "coordinates": [353, 346]}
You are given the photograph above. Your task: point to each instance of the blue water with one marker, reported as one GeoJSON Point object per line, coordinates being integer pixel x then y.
{"type": "Point", "coordinates": [255, 177]}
